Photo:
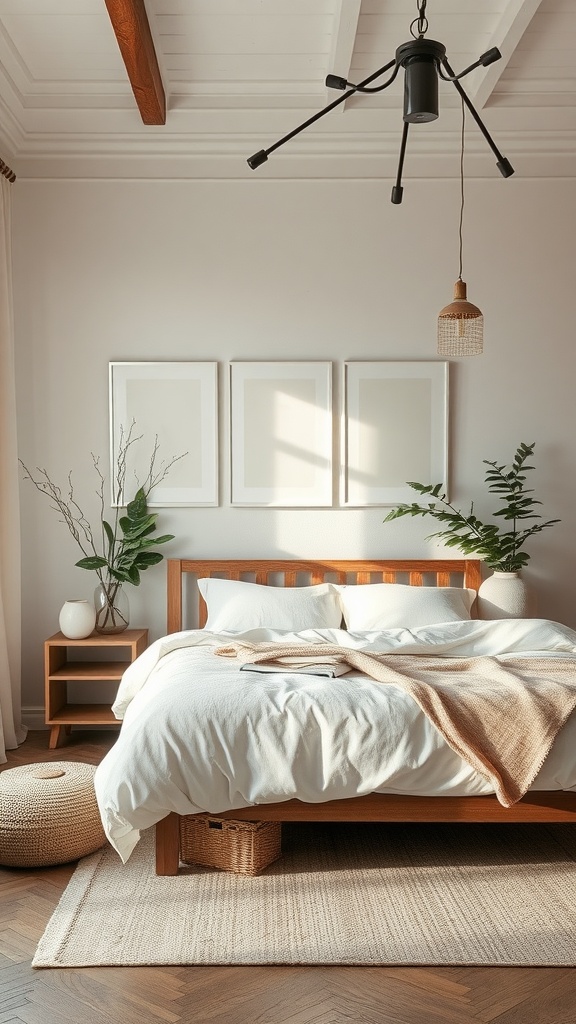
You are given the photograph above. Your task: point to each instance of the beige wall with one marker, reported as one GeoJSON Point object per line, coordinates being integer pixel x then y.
{"type": "Point", "coordinates": [256, 269]}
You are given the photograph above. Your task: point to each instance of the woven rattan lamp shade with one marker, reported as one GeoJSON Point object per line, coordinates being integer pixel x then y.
{"type": "Point", "coordinates": [460, 326]}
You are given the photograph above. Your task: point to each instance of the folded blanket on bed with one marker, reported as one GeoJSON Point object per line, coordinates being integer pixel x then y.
{"type": "Point", "coordinates": [501, 717]}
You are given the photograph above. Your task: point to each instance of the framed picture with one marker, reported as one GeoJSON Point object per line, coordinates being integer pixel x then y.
{"type": "Point", "coordinates": [176, 406]}
{"type": "Point", "coordinates": [394, 429]}
{"type": "Point", "coordinates": [281, 434]}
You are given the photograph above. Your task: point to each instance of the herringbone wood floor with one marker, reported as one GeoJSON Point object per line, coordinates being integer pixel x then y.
{"type": "Point", "coordinates": [243, 995]}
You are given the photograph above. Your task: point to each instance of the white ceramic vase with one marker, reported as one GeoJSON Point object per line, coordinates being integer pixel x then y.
{"type": "Point", "coordinates": [77, 619]}
{"type": "Point", "coordinates": [504, 595]}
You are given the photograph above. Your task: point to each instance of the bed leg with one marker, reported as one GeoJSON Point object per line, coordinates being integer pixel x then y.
{"type": "Point", "coordinates": [168, 845]}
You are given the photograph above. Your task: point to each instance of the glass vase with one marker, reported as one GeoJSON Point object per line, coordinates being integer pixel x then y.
{"type": "Point", "coordinates": [112, 608]}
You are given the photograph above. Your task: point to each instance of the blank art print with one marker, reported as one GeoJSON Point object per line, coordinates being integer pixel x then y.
{"type": "Point", "coordinates": [394, 429]}
{"type": "Point", "coordinates": [281, 433]}
{"type": "Point", "coordinates": [176, 403]}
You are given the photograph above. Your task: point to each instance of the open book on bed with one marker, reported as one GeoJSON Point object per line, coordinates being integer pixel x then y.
{"type": "Point", "coordinates": [314, 669]}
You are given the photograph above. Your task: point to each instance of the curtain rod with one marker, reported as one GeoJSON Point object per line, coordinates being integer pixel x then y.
{"type": "Point", "coordinates": [7, 171]}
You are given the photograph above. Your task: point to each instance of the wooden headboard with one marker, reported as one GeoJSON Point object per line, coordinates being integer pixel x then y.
{"type": "Point", "coordinates": [463, 572]}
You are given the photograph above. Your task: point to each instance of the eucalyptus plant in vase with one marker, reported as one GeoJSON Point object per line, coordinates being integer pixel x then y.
{"type": "Point", "coordinates": [502, 549]}
{"type": "Point", "coordinates": [122, 547]}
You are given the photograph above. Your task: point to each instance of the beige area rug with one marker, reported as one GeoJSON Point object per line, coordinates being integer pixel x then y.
{"type": "Point", "coordinates": [341, 894]}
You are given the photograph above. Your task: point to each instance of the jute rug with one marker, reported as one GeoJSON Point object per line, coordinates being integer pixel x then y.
{"type": "Point", "coordinates": [341, 894]}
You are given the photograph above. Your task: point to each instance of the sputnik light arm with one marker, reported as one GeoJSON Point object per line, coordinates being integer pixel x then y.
{"type": "Point", "coordinates": [424, 62]}
{"type": "Point", "coordinates": [397, 190]}
{"type": "Point", "coordinates": [503, 164]}
{"type": "Point", "coordinates": [259, 158]}
{"type": "Point", "coordinates": [483, 61]}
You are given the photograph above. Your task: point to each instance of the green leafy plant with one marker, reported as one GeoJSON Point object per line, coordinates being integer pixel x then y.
{"type": "Point", "coordinates": [124, 547]}
{"type": "Point", "coordinates": [499, 548]}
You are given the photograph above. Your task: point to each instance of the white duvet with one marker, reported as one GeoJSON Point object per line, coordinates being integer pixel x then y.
{"type": "Point", "coordinates": [199, 734]}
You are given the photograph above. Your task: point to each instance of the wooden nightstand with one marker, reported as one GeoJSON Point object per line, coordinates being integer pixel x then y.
{"type": "Point", "coordinates": [60, 669]}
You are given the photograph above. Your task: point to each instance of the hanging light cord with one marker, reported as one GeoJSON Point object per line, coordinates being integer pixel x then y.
{"type": "Point", "coordinates": [421, 21]}
{"type": "Point", "coordinates": [461, 186]}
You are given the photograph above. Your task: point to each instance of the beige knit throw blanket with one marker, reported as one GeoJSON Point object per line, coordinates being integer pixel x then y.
{"type": "Point", "coordinates": [501, 717]}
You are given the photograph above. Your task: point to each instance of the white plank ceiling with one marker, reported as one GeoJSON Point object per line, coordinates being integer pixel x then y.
{"type": "Point", "coordinates": [239, 74]}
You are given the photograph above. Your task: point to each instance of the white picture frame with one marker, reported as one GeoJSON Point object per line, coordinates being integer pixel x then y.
{"type": "Point", "coordinates": [177, 404]}
{"type": "Point", "coordinates": [394, 429]}
{"type": "Point", "coordinates": [281, 434]}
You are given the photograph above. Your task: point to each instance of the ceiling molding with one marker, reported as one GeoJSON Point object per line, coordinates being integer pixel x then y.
{"type": "Point", "coordinates": [431, 163]}
{"type": "Point", "coordinates": [514, 21]}
{"type": "Point", "coordinates": [132, 30]}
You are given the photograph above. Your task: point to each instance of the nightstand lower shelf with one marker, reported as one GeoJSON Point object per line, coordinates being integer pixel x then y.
{"type": "Point", "coordinates": [78, 714]}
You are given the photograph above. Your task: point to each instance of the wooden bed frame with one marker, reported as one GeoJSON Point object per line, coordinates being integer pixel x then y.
{"type": "Point", "coordinates": [543, 806]}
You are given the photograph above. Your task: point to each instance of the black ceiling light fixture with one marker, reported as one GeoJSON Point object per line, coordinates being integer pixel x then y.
{"type": "Point", "coordinates": [424, 62]}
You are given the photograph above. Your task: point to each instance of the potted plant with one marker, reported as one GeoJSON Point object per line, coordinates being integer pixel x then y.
{"type": "Point", "coordinates": [124, 548]}
{"type": "Point", "coordinates": [501, 548]}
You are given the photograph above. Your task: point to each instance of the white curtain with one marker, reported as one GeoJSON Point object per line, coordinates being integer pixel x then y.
{"type": "Point", "coordinates": [11, 731]}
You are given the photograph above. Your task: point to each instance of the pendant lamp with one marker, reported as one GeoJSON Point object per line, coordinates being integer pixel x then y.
{"type": "Point", "coordinates": [460, 323]}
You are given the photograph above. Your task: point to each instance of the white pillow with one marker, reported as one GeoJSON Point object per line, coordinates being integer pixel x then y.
{"type": "Point", "coordinates": [234, 605]}
{"type": "Point", "coordinates": [389, 605]}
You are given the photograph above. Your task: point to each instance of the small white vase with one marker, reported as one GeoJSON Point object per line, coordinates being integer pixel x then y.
{"type": "Point", "coordinates": [77, 619]}
{"type": "Point", "coordinates": [504, 595]}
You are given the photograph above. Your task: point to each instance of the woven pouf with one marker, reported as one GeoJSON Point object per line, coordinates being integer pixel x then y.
{"type": "Point", "coordinates": [48, 814]}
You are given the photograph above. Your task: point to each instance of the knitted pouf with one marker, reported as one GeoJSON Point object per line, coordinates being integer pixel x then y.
{"type": "Point", "coordinates": [48, 814]}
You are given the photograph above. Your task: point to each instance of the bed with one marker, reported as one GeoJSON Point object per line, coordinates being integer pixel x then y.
{"type": "Point", "coordinates": [186, 624]}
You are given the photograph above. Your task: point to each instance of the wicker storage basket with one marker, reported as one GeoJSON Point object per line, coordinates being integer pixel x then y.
{"type": "Point", "coordinates": [245, 847]}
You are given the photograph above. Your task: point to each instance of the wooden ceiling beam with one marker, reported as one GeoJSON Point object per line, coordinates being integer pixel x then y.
{"type": "Point", "coordinates": [132, 30]}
